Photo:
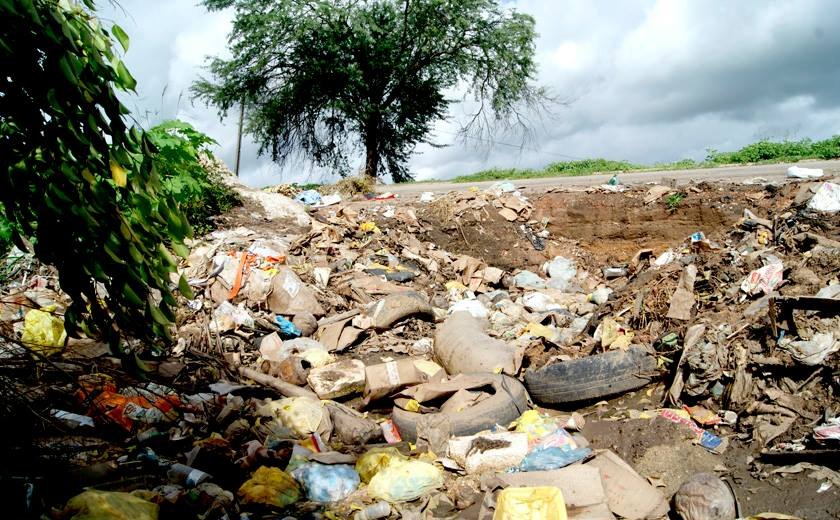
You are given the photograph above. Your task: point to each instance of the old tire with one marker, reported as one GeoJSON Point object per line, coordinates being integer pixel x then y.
{"type": "Point", "coordinates": [591, 377]}
{"type": "Point", "coordinates": [507, 403]}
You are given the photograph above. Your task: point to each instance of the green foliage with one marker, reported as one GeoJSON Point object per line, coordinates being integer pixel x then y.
{"type": "Point", "coordinates": [76, 183]}
{"type": "Point", "coordinates": [556, 169]}
{"type": "Point", "coordinates": [331, 79]}
{"type": "Point", "coordinates": [199, 192]}
{"type": "Point", "coordinates": [588, 167]}
{"type": "Point", "coordinates": [673, 201]}
{"type": "Point", "coordinates": [783, 151]}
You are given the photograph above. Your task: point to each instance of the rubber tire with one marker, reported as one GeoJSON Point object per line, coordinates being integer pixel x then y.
{"type": "Point", "coordinates": [500, 408]}
{"type": "Point", "coordinates": [592, 377]}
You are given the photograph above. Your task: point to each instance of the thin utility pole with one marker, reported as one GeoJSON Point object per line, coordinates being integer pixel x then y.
{"type": "Point", "coordinates": [239, 137]}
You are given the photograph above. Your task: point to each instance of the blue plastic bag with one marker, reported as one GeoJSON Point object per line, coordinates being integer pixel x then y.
{"type": "Point", "coordinates": [308, 197]}
{"type": "Point", "coordinates": [327, 482]}
{"type": "Point", "coordinates": [287, 328]}
{"type": "Point", "coordinates": [544, 459]}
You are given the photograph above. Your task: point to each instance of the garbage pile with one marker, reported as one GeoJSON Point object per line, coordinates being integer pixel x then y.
{"type": "Point", "coordinates": [361, 370]}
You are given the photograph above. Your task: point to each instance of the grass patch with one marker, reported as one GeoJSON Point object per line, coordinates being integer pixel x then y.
{"type": "Point", "coordinates": [761, 152]}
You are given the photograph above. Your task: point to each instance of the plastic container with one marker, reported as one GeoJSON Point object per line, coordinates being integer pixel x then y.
{"type": "Point", "coordinates": [533, 503]}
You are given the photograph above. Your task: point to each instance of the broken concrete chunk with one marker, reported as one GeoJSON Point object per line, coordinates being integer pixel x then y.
{"type": "Point", "coordinates": [338, 379]}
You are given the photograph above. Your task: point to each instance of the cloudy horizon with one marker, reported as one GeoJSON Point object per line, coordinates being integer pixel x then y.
{"type": "Point", "coordinates": [646, 81]}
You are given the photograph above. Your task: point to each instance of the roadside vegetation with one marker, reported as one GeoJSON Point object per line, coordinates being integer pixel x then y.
{"type": "Point", "coordinates": [764, 151]}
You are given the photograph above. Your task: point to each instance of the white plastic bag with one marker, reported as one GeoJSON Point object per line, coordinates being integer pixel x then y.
{"type": "Point", "coordinates": [827, 198]}
{"type": "Point", "coordinates": [797, 172]}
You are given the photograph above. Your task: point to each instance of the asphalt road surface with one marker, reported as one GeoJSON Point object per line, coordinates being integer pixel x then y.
{"type": "Point", "coordinates": [768, 172]}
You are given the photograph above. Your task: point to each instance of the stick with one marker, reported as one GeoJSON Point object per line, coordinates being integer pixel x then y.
{"type": "Point", "coordinates": [286, 389]}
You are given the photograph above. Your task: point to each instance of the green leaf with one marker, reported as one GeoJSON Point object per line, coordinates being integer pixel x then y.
{"type": "Point", "coordinates": [121, 36]}
{"type": "Point", "coordinates": [184, 287]}
{"type": "Point", "coordinates": [127, 81]}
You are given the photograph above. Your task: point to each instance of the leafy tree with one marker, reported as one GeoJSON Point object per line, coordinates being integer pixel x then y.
{"type": "Point", "coordinates": [76, 183]}
{"type": "Point", "coordinates": [328, 79]}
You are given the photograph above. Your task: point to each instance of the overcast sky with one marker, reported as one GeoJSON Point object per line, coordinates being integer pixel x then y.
{"type": "Point", "coordinates": [646, 81]}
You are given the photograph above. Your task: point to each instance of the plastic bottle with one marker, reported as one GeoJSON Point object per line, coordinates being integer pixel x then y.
{"type": "Point", "coordinates": [378, 510]}
{"type": "Point", "coordinates": [187, 476]}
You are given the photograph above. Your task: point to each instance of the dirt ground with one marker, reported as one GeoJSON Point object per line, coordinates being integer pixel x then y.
{"type": "Point", "coordinates": [594, 228]}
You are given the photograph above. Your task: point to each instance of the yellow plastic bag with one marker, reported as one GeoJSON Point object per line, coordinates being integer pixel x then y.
{"type": "Point", "coordinates": [376, 459]}
{"type": "Point", "coordinates": [270, 487]}
{"type": "Point", "coordinates": [534, 503]}
{"type": "Point", "coordinates": [43, 332]}
{"type": "Point", "coordinates": [405, 480]}
{"type": "Point", "coordinates": [109, 505]}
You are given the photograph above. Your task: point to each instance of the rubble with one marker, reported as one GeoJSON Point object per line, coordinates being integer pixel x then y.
{"type": "Point", "coordinates": [385, 358]}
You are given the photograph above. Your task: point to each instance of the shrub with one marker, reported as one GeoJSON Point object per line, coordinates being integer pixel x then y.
{"type": "Point", "coordinates": [184, 162]}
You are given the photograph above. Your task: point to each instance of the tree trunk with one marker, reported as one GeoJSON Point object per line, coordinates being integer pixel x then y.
{"type": "Point", "coordinates": [371, 137]}
{"type": "Point", "coordinates": [372, 156]}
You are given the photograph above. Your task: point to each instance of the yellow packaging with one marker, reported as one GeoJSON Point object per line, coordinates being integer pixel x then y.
{"type": "Point", "coordinates": [533, 503]}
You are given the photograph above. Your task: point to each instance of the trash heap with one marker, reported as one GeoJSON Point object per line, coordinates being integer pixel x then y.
{"type": "Point", "coordinates": [361, 370]}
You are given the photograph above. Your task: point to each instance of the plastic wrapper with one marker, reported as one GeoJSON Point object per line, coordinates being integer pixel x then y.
{"type": "Point", "coordinates": [270, 487]}
{"type": "Point", "coordinates": [327, 483]}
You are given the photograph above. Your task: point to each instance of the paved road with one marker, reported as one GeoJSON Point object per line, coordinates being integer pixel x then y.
{"type": "Point", "coordinates": [770, 172]}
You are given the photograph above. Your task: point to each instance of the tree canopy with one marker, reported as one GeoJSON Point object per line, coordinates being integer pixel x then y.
{"type": "Point", "coordinates": [77, 184]}
{"type": "Point", "coordinates": [332, 79]}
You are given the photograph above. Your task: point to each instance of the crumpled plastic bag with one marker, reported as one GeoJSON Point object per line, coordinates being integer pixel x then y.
{"type": "Point", "coordinates": [327, 482]}
{"type": "Point", "coordinates": [302, 415]}
{"type": "Point", "coordinates": [376, 459]}
{"type": "Point", "coordinates": [109, 505]}
{"type": "Point", "coordinates": [704, 497]}
{"type": "Point", "coordinates": [43, 332]}
{"type": "Point", "coordinates": [404, 481]}
{"type": "Point", "coordinates": [546, 459]}
{"type": "Point", "coordinates": [814, 351]}
{"type": "Point", "coordinates": [827, 198]}
{"type": "Point", "coordinates": [270, 487]}
{"type": "Point", "coordinates": [614, 335]}
{"type": "Point", "coordinates": [308, 197]}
